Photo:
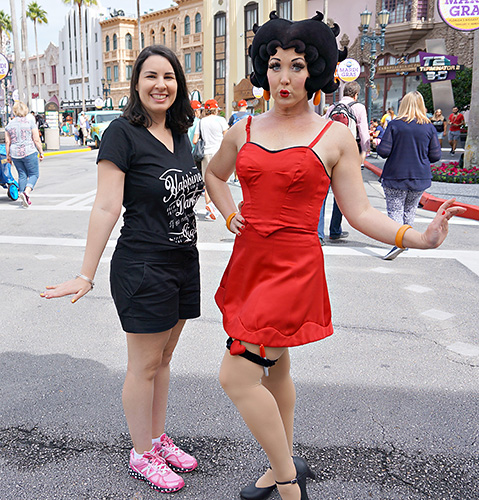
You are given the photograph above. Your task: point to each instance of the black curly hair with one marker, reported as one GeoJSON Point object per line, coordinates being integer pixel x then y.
{"type": "Point", "coordinates": [311, 37]}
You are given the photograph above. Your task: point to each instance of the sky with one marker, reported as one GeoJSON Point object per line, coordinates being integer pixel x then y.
{"type": "Point", "coordinates": [57, 10]}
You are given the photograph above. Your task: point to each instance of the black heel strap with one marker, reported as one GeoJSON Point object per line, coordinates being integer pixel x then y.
{"type": "Point", "coordinates": [293, 481]}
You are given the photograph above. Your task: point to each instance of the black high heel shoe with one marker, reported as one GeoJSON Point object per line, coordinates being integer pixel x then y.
{"type": "Point", "coordinates": [252, 492]}
{"type": "Point", "coordinates": [302, 472]}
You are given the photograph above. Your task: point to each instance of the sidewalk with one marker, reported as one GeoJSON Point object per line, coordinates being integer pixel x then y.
{"type": "Point", "coordinates": [67, 145]}
{"type": "Point", "coordinates": [467, 195]}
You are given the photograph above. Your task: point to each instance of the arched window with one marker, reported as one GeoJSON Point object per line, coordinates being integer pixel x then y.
{"type": "Point", "coordinates": [163, 36]}
{"type": "Point", "coordinates": [198, 23]}
{"type": "Point", "coordinates": [174, 36]}
{"type": "Point", "coordinates": [142, 40]}
{"type": "Point", "coordinates": [107, 43]}
{"type": "Point", "coordinates": [152, 37]}
{"type": "Point", "coordinates": [187, 25]}
{"type": "Point", "coordinates": [128, 41]}
{"type": "Point", "coordinates": [115, 42]}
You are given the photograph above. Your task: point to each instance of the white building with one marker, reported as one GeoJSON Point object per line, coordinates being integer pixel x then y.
{"type": "Point", "coordinates": [69, 70]}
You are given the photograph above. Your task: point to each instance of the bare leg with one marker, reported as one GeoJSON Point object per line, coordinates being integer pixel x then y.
{"type": "Point", "coordinates": [162, 382]}
{"type": "Point", "coordinates": [145, 355]}
{"type": "Point", "coordinates": [241, 380]}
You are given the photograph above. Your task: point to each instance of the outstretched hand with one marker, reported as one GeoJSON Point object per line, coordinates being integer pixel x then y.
{"type": "Point", "coordinates": [77, 287]}
{"type": "Point", "coordinates": [437, 230]}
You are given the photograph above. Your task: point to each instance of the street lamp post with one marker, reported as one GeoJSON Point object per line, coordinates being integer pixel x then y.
{"type": "Point", "coordinates": [105, 84]}
{"type": "Point", "coordinates": [373, 40]}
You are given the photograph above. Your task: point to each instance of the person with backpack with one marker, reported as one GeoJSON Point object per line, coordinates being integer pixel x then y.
{"type": "Point", "coordinates": [240, 114]}
{"type": "Point", "coordinates": [353, 114]}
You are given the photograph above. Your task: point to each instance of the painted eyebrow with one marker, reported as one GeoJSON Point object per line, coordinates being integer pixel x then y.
{"type": "Point", "coordinates": [292, 60]}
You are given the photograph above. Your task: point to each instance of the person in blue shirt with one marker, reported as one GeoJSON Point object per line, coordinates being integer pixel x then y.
{"type": "Point", "coordinates": [410, 145]}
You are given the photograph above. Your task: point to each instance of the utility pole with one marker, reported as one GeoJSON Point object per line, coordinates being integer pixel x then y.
{"type": "Point", "coordinates": [27, 55]}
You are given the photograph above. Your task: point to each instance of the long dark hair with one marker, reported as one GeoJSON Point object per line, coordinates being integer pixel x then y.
{"type": "Point", "coordinates": [180, 115]}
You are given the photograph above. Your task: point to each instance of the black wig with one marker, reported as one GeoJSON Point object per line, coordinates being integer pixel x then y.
{"type": "Point", "coordinates": [311, 37]}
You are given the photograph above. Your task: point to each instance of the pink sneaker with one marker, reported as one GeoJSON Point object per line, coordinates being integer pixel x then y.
{"type": "Point", "coordinates": [175, 457]}
{"type": "Point", "coordinates": [25, 200]}
{"type": "Point", "coordinates": [153, 469]}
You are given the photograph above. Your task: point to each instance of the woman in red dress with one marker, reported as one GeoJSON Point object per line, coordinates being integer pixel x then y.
{"type": "Point", "coordinates": [273, 293]}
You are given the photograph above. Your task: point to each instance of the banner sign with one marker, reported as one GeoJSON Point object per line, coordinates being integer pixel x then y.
{"type": "Point", "coordinates": [4, 67]}
{"type": "Point", "coordinates": [348, 70]}
{"type": "Point", "coordinates": [438, 67]}
{"type": "Point", "coordinates": [461, 15]}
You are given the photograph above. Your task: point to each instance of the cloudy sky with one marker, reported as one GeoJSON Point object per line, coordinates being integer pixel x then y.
{"type": "Point", "coordinates": [57, 10]}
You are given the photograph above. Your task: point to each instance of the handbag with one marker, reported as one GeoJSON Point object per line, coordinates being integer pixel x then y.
{"type": "Point", "coordinates": [199, 149]}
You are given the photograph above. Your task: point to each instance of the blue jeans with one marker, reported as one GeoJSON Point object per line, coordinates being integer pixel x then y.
{"type": "Point", "coordinates": [321, 218]}
{"type": "Point", "coordinates": [335, 224]}
{"type": "Point", "coordinates": [28, 171]}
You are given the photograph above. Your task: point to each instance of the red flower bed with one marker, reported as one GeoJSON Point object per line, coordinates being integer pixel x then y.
{"type": "Point", "coordinates": [451, 172]}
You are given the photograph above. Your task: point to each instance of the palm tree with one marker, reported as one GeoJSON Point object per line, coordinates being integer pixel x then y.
{"type": "Point", "coordinates": [5, 26]}
{"type": "Point", "coordinates": [80, 4]}
{"type": "Point", "coordinates": [37, 15]}
{"type": "Point", "coordinates": [16, 48]}
{"type": "Point", "coordinates": [27, 56]}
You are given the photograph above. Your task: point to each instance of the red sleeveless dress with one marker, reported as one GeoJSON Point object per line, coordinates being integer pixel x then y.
{"type": "Point", "coordinates": [274, 291]}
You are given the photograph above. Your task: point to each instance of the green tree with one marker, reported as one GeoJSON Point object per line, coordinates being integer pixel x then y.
{"type": "Point", "coordinates": [80, 4]}
{"type": "Point", "coordinates": [461, 89]}
{"type": "Point", "coordinates": [38, 16]}
{"type": "Point", "coordinates": [5, 26]}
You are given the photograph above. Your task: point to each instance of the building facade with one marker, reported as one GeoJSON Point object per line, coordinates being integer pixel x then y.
{"type": "Point", "coordinates": [179, 27]}
{"type": "Point", "coordinates": [414, 26]}
{"type": "Point", "coordinates": [69, 70]}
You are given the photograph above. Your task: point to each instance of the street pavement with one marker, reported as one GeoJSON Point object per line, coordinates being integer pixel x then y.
{"type": "Point", "coordinates": [386, 407]}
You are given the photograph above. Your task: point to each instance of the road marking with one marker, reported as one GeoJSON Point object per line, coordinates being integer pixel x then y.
{"type": "Point", "coordinates": [383, 270]}
{"type": "Point", "coordinates": [78, 199]}
{"type": "Point", "coordinates": [437, 314]}
{"type": "Point", "coordinates": [464, 349]}
{"type": "Point", "coordinates": [418, 288]}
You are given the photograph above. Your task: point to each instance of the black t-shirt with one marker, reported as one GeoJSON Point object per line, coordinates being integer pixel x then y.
{"type": "Point", "coordinates": [439, 124]}
{"type": "Point", "coordinates": [161, 187]}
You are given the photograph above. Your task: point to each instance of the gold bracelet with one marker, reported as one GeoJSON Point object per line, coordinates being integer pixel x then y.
{"type": "Point", "coordinates": [400, 235]}
{"type": "Point", "coordinates": [229, 219]}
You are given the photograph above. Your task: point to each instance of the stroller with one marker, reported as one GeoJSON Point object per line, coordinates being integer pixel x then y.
{"type": "Point", "coordinates": [6, 179]}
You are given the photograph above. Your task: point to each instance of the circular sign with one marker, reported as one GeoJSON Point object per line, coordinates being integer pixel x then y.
{"type": "Point", "coordinates": [348, 70]}
{"type": "Point", "coordinates": [4, 67]}
{"type": "Point", "coordinates": [99, 103]}
{"type": "Point", "coordinates": [257, 92]}
{"type": "Point", "coordinates": [459, 15]}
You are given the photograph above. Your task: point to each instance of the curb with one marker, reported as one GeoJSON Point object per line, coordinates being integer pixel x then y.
{"type": "Point", "coordinates": [66, 151]}
{"type": "Point", "coordinates": [431, 202]}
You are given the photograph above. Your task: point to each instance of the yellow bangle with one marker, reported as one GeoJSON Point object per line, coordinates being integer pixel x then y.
{"type": "Point", "coordinates": [229, 219]}
{"type": "Point", "coordinates": [400, 235]}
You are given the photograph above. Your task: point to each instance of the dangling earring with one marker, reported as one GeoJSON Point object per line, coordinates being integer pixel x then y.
{"type": "Point", "coordinates": [317, 98]}
{"type": "Point", "coordinates": [266, 95]}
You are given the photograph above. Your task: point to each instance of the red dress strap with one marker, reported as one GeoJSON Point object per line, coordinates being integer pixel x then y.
{"type": "Point", "coordinates": [248, 128]}
{"type": "Point", "coordinates": [323, 131]}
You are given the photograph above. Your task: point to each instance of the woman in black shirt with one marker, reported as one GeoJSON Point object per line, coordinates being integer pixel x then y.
{"type": "Point", "coordinates": [145, 163]}
{"type": "Point", "coordinates": [440, 124]}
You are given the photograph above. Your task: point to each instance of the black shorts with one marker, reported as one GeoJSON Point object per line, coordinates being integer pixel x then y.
{"type": "Point", "coordinates": [151, 293]}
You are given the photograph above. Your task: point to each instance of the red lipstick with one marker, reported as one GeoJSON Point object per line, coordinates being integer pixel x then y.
{"type": "Point", "coordinates": [284, 93]}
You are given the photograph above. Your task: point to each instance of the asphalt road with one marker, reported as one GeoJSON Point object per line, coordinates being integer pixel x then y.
{"type": "Point", "coordinates": [387, 407]}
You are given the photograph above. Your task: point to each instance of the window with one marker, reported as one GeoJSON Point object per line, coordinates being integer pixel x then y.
{"type": "Point", "coordinates": [285, 9]}
{"type": "Point", "coordinates": [400, 10]}
{"type": "Point", "coordinates": [73, 96]}
{"type": "Point", "coordinates": [98, 91]}
{"type": "Point", "coordinates": [108, 73]}
{"type": "Point", "coordinates": [43, 78]}
{"type": "Point", "coordinates": [220, 24]}
{"type": "Point", "coordinates": [163, 36]}
{"type": "Point", "coordinates": [65, 94]}
{"type": "Point", "coordinates": [198, 23]}
{"type": "Point", "coordinates": [34, 78]}
{"type": "Point", "coordinates": [96, 64]}
{"type": "Point", "coordinates": [128, 42]}
{"type": "Point", "coordinates": [107, 43]}
{"type": "Point", "coordinates": [115, 42]}
{"type": "Point", "coordinates": [129, 69]}
{"type": "Point", "coordinates": [96, 37]}
{"type": "Point", "coordinates": [63, 45]}
{"type": "Point", "coordinates": [152, 37]}
{"type": "Point", "coordinates": [64, 70]}
{"type": "Point", "coordinates": [187, 63]}
{"type": "Point", "coordinates": [115, 73]}
{"type": "Point", "coordinates": [198, 61]}
{"type": "Point", "coordinates": [54, 74]}
{"type": "Point", "coordinates": [142, 40]}
{"type": "Point", "coordinates": [250, 19]}
{"type": "Point", "coordinates": [187, 25]}
{"type": "Point", "coordinates": [175, 38]}
{"type": "Point", "coordinates": [220, 70]}
{"type": "Point", "coordinates": [78, 93]}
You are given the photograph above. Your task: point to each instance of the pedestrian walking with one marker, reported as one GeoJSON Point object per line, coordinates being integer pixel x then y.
{"type": "Point", "coordinates": [145, 163]}
{"type": "Point", "coordinates": [455, 122]}
{"type": "Point", "coordinates": [410, 145]}
{"type": "Point", "coordinates": [213, 127]}
{"type": "Point", "coordinates": [83, 124]}
{"type": "Point", "coordinates": [273, 294]}
{"type": "Point", "coordinates": [440, 124]}
{"type": "Point", "coordinates": [24, 149]}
